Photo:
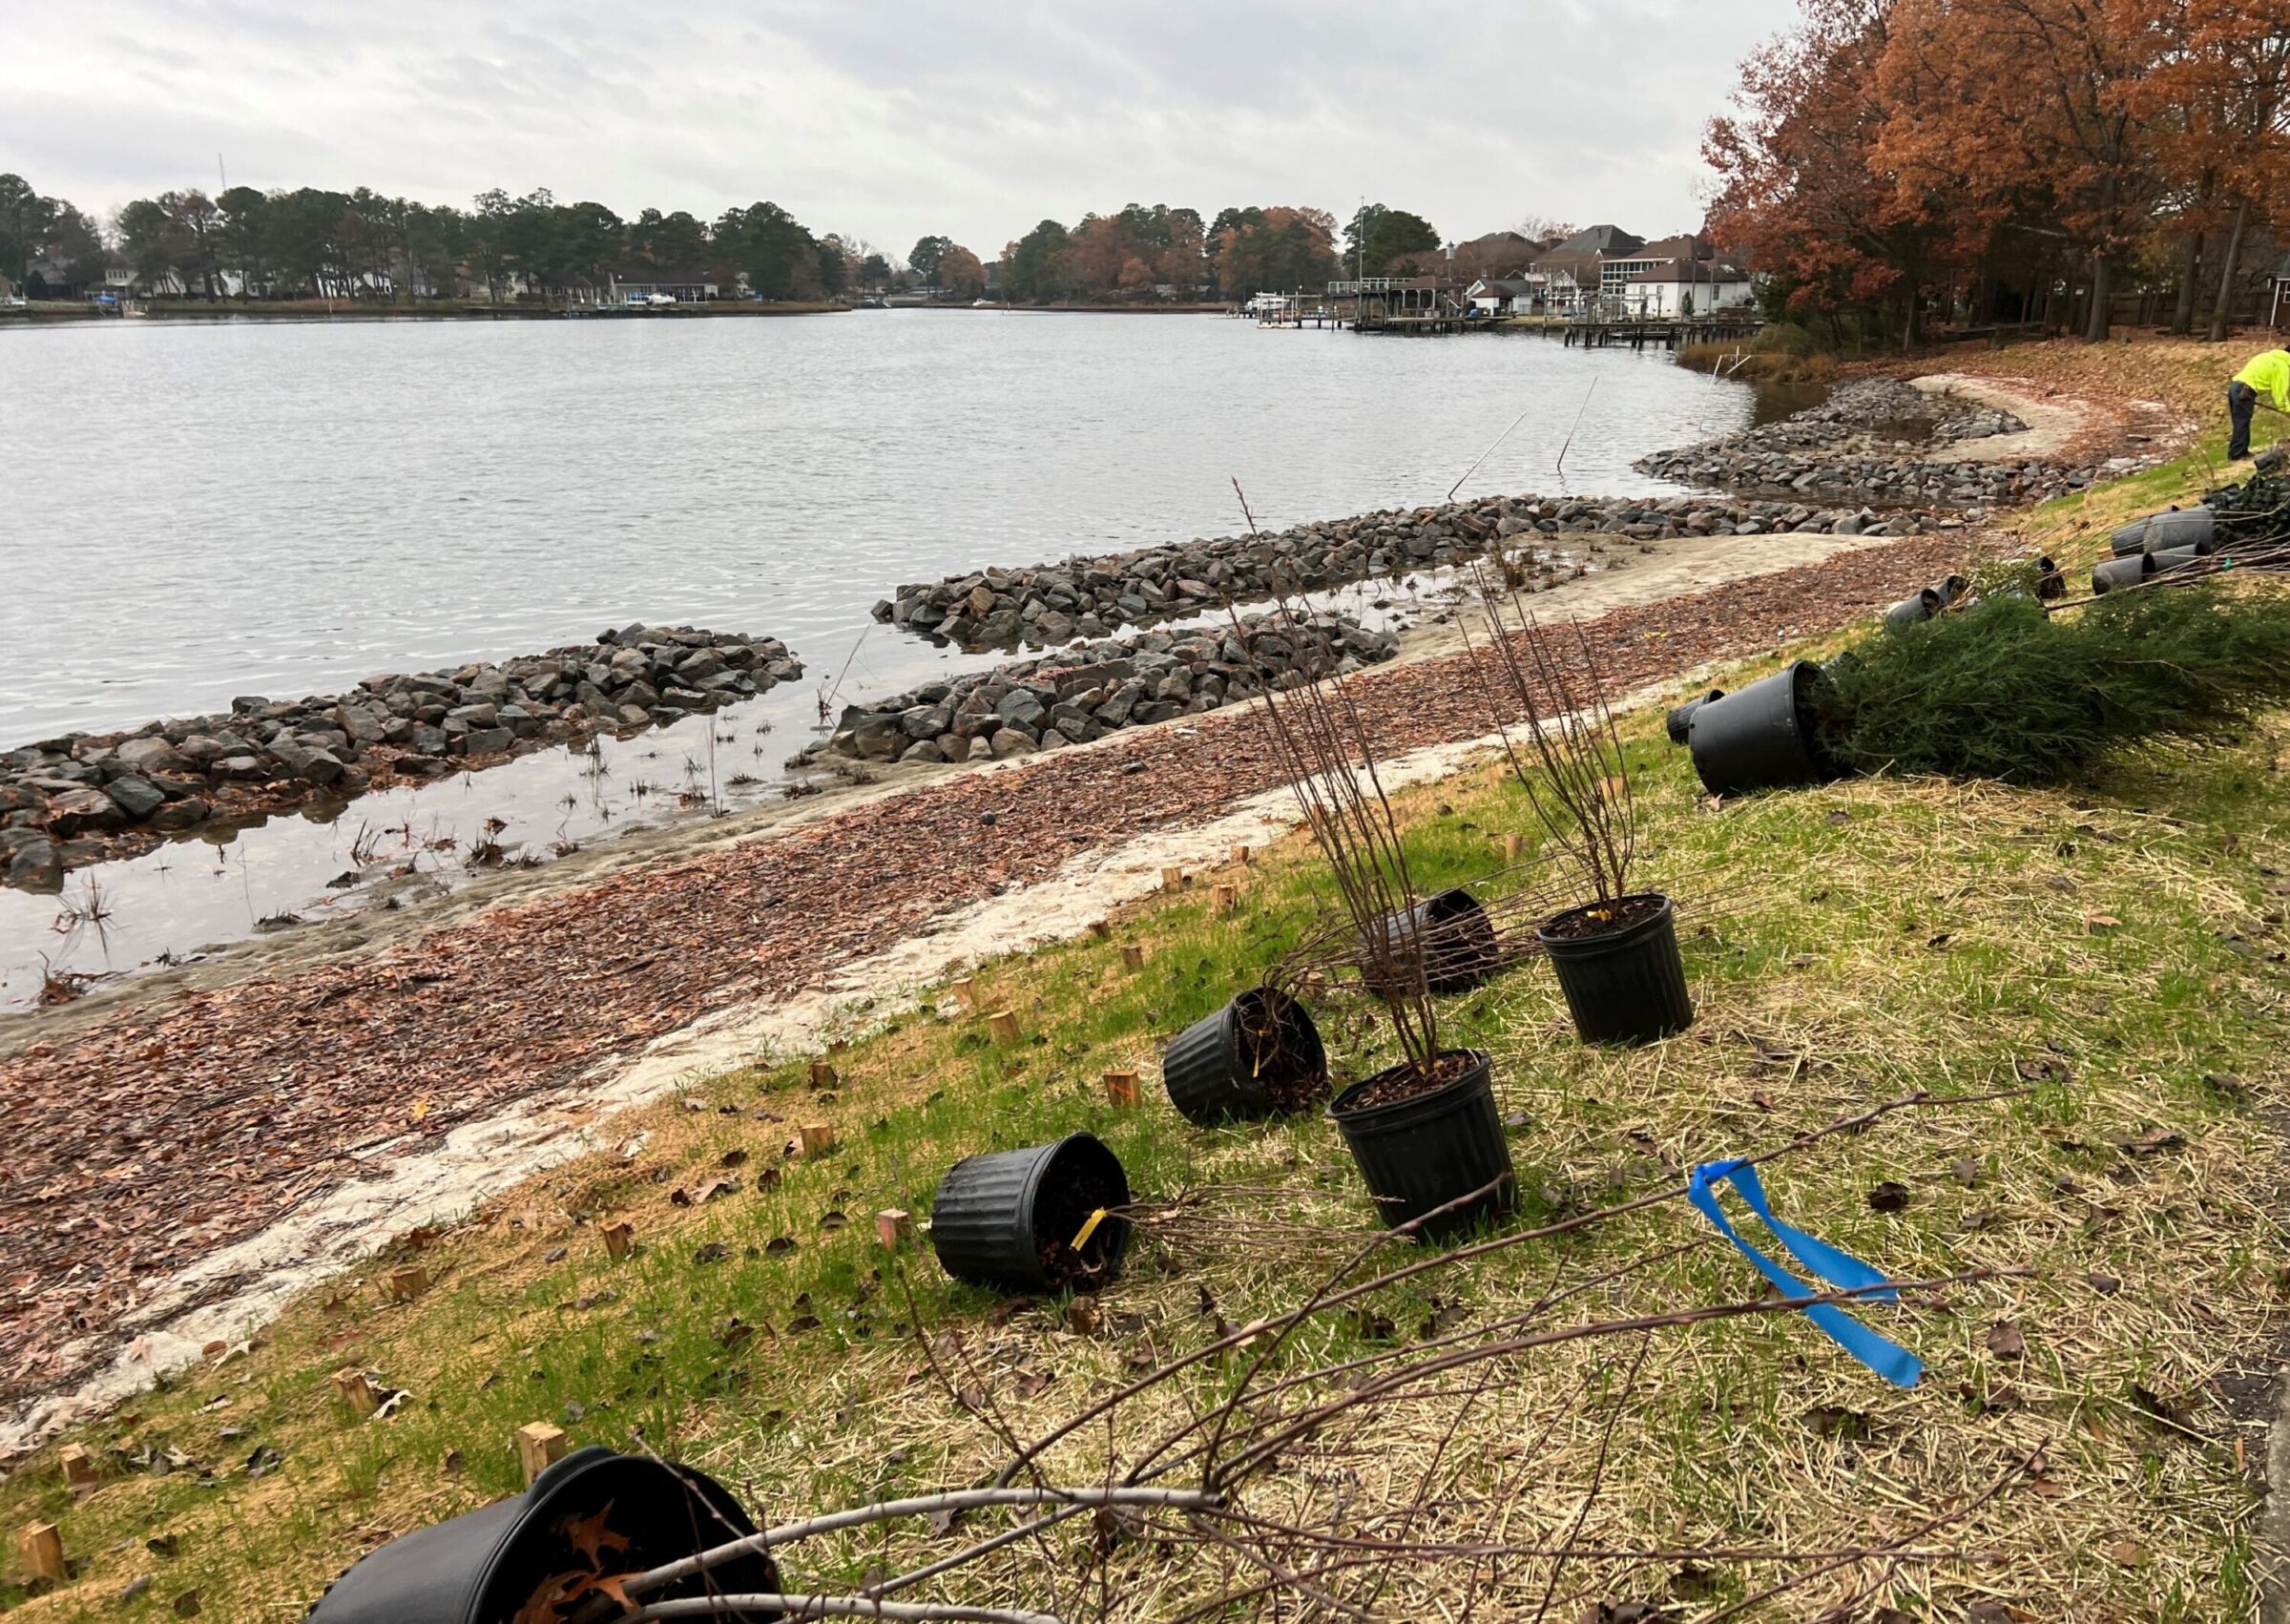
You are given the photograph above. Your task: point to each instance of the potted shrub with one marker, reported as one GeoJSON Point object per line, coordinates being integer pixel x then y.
{"type": "Point", "coordinates": [1424, 1133]}
{"type": "Point", "coordinates": [1615, 952]}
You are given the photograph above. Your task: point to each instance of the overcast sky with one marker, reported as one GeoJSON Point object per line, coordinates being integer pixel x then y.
{"type": "Point", "coordinates": [885, 119]}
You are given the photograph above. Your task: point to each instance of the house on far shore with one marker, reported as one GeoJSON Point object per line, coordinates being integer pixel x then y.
{"type": "Point", "coordinates": [1530, 293]}
{"type": "Point", "coordinates": [1501, 296]}
{"type": "Point", "coordinates": [1687, 287]}
{"type": "Point", "coordinates": [638, 285]}
{"type": "Point", "coordinates": [2279, 315]}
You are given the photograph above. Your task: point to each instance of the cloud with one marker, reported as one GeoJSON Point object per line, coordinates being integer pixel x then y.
{"type": "Point", "coordinates": [890, 120]}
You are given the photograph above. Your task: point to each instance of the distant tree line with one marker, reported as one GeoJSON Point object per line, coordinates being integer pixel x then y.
{"type": "Point", "coordinates": [1142, 253]}
{"type": "Point", "coordinates": [251, 243]}
{"type": "Point", "coordinates": [244, 242]}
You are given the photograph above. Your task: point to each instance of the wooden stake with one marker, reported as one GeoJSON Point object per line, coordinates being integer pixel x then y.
{"type": "Point", "coordinates": [540, 1446]}
{"type": "Point", "coordinates": [815, 1138]}
{"type": "Point", "coordinates": [1003, 1025]}
{"type": "Point", "coordinates": [966, 992]}
{"type": "Point", "coordinates": [823, 1074]}
{"type": "Point", "coordinates": [1173, 879]}
{"type": "Point", "coordinates": [1132, 957]}
{"type": "Point", "coordinates": [1228, 899]}
{"type": "Point", "coordinates": [356, 1392]}
{"type": "Point", "coordinates": [79, 1468]}
{"type": "Point", "coordinates": [1102, 929]}
{"type": "Point", "coordinates": [41, 1549]}
{"type": "Point", "coordinates": [619, 1238]}
{"type": "Point", "coordinates": [1514, 847]}
{"type": "Point", "coordinates": [1239, 854]}
{"type": "Point", "coordinates": [408, 1284]}
{"type": "Point", "coordinates": [837, 1046]}
{"type": "Point", "coordinates": [1122, 1089]}
{"type": "Point", "coordinates": [894, 1227]}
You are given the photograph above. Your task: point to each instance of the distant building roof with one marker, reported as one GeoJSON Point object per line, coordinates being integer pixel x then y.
{"type": "Point", "coordinates": [677, 274]}
{"type": "Point", "coordinates": [1702, 271]}
{"type": "Point", "coordinates": [1684, 246]}
{"type": "Point", "coordinates": [1510, 287]}
{"type": "Point", "coordinates": [1603, 239]}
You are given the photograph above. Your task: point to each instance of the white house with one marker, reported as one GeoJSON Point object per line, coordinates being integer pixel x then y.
{"type": "Point", "coordinates": [1502, 296]}
{"type": "Point", "coordinates": [2280, 315]}
{"type": "Point", "coordinates": [1686, 287]}
{"type": "Point", "coordinates": [1530, 293]}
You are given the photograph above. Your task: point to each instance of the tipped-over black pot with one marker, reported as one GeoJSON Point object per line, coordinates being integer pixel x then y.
{"type": "Point", "coordinates": [1452, 934]}
{"type": "Point", "coordinates": [1765, 735]}
{"type": "Point", "coordinates": [1009, 1219]}
{"type": "Point", "coordinates": [484, 1566]}
{"type": "Point", "coordinates": [1680, 719]}
{"type": "Point", "coordinates": [1259, 1055]}
{"type": "Point", "coordinates": [1419, 1153]}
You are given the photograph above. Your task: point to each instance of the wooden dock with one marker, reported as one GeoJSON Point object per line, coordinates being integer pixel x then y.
{"type": "Point", "coordinates": [1657, 332]}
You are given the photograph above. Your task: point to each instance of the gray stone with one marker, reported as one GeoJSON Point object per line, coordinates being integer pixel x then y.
{"type": "Point", "coordinates": [83, 811]}
{"type": "Point", "coordinates": [924, 750]}
{"type": "Point", "coordinates": [1010, 741]}
{"type": "Point", "coordinates": [187, 813]}
{"type": "Point", "coordinates": [878, 737]}
{"type": "Point", "coordinates": [485, 742]}
{"type": "Point", "coordinates": [137, 798]}
{"type": "Point", "coordinates": [36, 866]}
{"type": "Point", "coordinates": [926, 721]}
{"type": "Point", "coordinates": [1021, 707]}
{"type": "Point", "coordinates": [322, 767]}
{"type": "Point", "coordinates": [683, 700]}
{"type": "Point", "coordinates": [474, 715]}
{"type": "Point", "coordinates": [153, 756]}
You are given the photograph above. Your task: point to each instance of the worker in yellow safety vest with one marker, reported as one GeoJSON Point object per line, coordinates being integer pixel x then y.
{"type": "Point", "coordinates": [2264, 382]}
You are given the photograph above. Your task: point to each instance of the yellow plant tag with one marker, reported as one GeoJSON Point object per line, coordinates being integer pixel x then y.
{"type": "Point", "coordinates": [1089, 1229]}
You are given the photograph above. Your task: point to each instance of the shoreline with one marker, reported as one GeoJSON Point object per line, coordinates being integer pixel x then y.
{"type": "Point", "coordinates": [448, 1012]}
{"type": "Point", "coordinates": [273, 1059]}
{"type": "Point", "coordinates": [60, 313]}
{"type": "Point", "coordinates": [79, 799]}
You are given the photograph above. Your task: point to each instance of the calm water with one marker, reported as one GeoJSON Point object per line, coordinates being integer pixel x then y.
{"type": "Point", "coordinates": [195, 511]}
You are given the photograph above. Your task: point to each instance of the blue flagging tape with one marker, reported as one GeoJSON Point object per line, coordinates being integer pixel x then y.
{"type": "Point", "coordinates": [1839, 1269]}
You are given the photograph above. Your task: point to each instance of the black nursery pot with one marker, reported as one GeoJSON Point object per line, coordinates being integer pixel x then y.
{"type": "Point", "coordinates": [1454, 936]}
{"type": "Point", "coordinates": [483, 1566]}
{"type": "Point", "coordinates": [1682, 720]}
{"type": "Point", "coordinates": [2159, 533]}
{"type": "Point", "coordinates": [1418, 1155]}
{"type": "Point", "coordinates": [2128, 570]}
{"type": "Point", "coordinates": [1623, 985]}
{"type": "Point", "coordinates": [1259, 1055]}
{"type": "Point", "coordinates": [1008, 1218]}
{"type": "Point", "coordinates": [1926, 604]}
{"type": "Point", "coordinates": [1761, 737]}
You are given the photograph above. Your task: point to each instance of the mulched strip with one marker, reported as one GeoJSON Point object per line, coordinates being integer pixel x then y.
{"type": "Point", "coordinates": [179, 1125]}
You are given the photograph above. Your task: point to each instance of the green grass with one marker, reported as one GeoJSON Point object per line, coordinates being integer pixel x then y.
{"type": "Point", "coordinates": [1845, 946]}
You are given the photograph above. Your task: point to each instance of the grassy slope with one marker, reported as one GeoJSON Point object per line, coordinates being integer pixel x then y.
{"type": "Point", "coordinates": [1862, 941]}
{"type": "Point", "coordinates": [1845, 944]}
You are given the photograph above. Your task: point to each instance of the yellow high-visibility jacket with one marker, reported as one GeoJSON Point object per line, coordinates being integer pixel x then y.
{"type": "Point", "coordinates": [2269, 374]}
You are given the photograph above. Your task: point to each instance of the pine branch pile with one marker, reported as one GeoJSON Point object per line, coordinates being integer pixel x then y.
{"type": "Point", "coordinates": [2001, 690]}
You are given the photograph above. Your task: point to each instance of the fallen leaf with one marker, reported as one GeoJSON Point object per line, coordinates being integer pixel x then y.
{"type": "Point", "coordinates": [2005, 1340]}
{"type": "Point", "coordinates": [1888, 1198]}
